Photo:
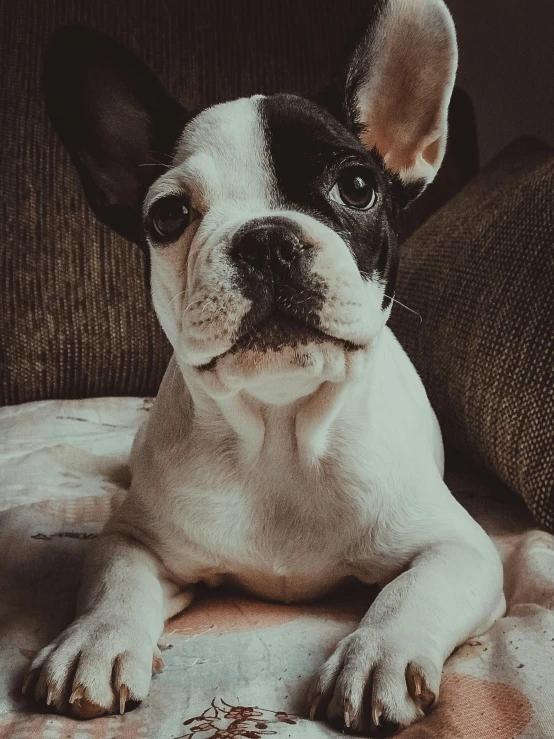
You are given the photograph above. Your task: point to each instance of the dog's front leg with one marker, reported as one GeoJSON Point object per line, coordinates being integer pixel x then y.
{"type": "Point", "coordinates": [107, 655]}
{"type": "Point", "coordinates": [388, 671]}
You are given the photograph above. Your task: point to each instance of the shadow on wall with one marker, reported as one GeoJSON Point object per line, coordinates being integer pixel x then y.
{"type": "Point", "coordinates": [506, 65]}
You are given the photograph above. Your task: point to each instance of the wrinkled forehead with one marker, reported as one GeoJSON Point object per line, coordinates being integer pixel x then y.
{"type": "Point", "coordinates": [222, 155]}
{"type": "Point", "coordinates": [258, 150]}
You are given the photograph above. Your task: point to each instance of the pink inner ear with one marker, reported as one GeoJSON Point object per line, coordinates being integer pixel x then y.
{"type": "Point", "coordinates": [401, 155]}
{"type": "Point", "coordinates": [432, 152]}
{"type": "Point", "coordinates": [406, 122]}
{"type": "Point", "coordinates": [404, 99]}
{"type": "Point", "coordinates": [398, 156]}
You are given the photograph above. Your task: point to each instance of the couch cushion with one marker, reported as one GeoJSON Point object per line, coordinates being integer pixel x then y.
{"type": "Point", "coordinates": [76, 319]}
{"type": "Point", "coordinates": [480, 272]}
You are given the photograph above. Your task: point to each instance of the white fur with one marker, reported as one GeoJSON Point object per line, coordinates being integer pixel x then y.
{"type": "Point", "coordinates": [283, 473]}
{"type": "Point", "coordinates": [287, 526]}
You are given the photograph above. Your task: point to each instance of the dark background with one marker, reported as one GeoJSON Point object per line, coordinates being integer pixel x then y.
{"type": "Point", "coordinates": [507, 67]}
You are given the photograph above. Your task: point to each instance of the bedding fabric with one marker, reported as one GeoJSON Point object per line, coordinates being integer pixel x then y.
{"type": "Point", "coordinates": [236, 666]}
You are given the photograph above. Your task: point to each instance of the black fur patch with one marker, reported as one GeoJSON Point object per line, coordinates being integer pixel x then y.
{"type": "Point", "coordinates": [277, 290]}
{"type": "Point", "coordinates": [278, 332]}
{"type": "Point", "coordinates": [115, 119]}
{"type": "Point", "coordinates": [308, 147]}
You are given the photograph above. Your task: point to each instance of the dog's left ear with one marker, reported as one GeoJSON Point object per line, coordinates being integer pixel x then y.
{"type": "Point", "coordinates": [114, 117]}
{"type": "Point", "coordinates": [398, 84]}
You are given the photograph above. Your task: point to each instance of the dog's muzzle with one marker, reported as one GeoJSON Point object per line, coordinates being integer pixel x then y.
{"type": "Point", "coordinates": [273, 266]}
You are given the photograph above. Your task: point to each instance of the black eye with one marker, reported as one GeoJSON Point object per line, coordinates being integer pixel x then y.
{"type": "Point", "coordinates": [168, 218]}
{"type": "Point", "coordinates": [353, 189]}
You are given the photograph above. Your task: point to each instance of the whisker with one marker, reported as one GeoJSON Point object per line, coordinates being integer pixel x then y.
{"type": "Point", "coordinates": [175, 297]}
{"type": "Point", "coordinates": [189, 306]}
{"type": "Point", "coordinates": [175, 370]}
{"type": "Point", "coordinates": [156, 163]}
{"type": "Point", "coordinates": [394, 300]}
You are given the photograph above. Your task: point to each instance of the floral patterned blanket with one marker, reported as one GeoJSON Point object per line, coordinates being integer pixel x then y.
{"type": "Point", "coordinates": [236, 666]}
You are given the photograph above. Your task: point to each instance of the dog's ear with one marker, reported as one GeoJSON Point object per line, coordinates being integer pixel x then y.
{"type": "Point", "coordinates": [115, 119]}
{"type": "Point", "coordinates": [397, 84]}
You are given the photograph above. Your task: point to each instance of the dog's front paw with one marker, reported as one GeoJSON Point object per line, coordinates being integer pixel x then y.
{"type": "Point", "coordinates": [94, 668]}
{"type": "Point", "coordinates": [374, 684]}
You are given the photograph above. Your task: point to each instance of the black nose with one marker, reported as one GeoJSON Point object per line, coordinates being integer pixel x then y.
{"type": "Point", "coordinates": [267, 246]}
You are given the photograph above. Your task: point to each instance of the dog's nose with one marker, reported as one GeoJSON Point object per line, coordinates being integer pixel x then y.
{"type": "Point", "coordinates": [267, 246]}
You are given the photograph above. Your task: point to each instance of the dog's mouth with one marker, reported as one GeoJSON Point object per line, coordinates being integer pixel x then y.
{"type": "Point", "coordinates": [278, 332]}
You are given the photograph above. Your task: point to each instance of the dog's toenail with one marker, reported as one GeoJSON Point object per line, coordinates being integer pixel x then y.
{"type": "Point", "coordinates": [123, 696]}
{"type": "Point", "coordinates": [347, 719]}
{"type": "Point", "coordinates": [315, 704]}
{"type": "Point", "coordinates": [77, 694]}
{"type": "Point", "coordinates": [26, 682]}
{"type": "Point", "coordinates": [157, 665]}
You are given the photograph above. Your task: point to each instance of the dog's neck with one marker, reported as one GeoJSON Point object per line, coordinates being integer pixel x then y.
{"type": "Point", "coordinates": [257, 416]}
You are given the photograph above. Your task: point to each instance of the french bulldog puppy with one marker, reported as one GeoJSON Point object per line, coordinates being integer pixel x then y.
{"type": "Point", "coordinates": [292, 446]}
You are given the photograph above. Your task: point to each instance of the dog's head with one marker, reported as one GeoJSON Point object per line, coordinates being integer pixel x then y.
{"type": "Point", "coordinates": [269, 221]}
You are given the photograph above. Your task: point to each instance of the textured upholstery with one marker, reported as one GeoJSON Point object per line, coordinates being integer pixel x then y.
{"type": "Point", "coordinates": [480, 272]}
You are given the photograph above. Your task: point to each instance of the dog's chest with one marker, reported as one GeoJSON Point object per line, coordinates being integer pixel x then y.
{"type": "Point", "coordinates": [276, 534]}
{"type": "Point", "coordinates": [272, 526]}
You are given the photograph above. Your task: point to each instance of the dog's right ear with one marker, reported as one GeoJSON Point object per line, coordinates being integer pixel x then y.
{"type": "Point", "coordinates": [395, 86]}
{"type": "Point", "coordinates": [114, 117]}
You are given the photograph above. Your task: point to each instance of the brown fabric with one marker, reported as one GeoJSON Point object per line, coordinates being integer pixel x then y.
{"type": "Point", "coordinates": [75, 317]}
{"type": "Point", "coordinates": [481, 274]}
